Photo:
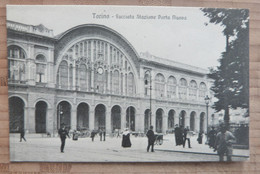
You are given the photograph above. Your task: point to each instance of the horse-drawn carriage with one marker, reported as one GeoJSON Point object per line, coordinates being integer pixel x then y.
{"type": "Point", "coordinates": [158, 139]}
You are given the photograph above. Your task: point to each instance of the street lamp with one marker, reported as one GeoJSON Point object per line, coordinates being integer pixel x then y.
{"type": "Point", "coordinates": [146, 83]}
{"type": "Point", "coordinates": [207, 100]}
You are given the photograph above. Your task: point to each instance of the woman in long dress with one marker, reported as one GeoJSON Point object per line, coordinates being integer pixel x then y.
{"type": "Point", "coordinates": [126, 139]}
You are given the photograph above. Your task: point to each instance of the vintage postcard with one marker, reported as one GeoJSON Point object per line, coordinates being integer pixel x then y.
{"type": "Point", "coordinates": [128, 84]}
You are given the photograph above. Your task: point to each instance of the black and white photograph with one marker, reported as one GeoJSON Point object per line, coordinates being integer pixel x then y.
{"type": "Point", "coordinates": [93, 83]}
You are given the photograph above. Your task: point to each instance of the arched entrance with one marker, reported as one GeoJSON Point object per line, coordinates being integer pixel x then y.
{"type": "Point", "coordinates": [146, 120]}
{"type": "Point", "coordinates": [82, 116]}
{"type": "Point", "coordinates": [182, 119]}
{"type": "Point", "coordinates": [63, 114]}
{"type": "Point", "coordinates": [16, 113]}
{"type": "Point", "coordinates": [171, 119]}
{"type": "Point", "coordinates": [159, 120]}
{"type": "Point", "coordinates": [40, 117]}
{"type": "Point", "coordinates": [130, 118]}
{"type": "Point", "coordinates": [202, 122]}
{"type": "Point", "coordinates": [100, 117]}
{"type": "Point", "coordinates": [116, 117]}
{"type": "Point", "coordinates": [192, 120]}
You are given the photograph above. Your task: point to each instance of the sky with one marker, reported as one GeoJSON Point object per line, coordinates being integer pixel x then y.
{"type": "Point", "coordinates": [191, 39]}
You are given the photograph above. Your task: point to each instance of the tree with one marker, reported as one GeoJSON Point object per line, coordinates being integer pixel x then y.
{"type": "Point", "coordinates": [231, 77]}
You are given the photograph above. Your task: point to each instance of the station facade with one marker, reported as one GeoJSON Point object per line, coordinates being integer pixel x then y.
{"type": "Point", "coordinates": [91, 77]}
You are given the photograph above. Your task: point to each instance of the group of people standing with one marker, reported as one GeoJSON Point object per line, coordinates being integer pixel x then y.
{"type": "Point", "coordinates": [150, 135]}
{"type": "Point", "coordinates": [101, 132]}
{"type": "Point", "coordinates": [220, 142]}
{"type": "Point", "coordinates": [182, 135]}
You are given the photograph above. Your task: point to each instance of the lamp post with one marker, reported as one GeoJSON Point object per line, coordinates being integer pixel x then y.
{"type": "Point", "coordinates": [146, 83]}
{"type": "Point", "coordinates": [207, 100]}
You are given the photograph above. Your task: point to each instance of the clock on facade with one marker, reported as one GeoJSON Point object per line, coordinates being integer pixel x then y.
{"type": "Point", "coordinates": [100, 70]}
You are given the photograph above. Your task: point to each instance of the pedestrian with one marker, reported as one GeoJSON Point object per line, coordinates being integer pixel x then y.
{"type": "Point", "coordinates": [22, 134]}
{"type": "Point", "coordinates": [151, 138]}
{"type": "Point", "coordinates": [223, 143]}
{"type": "Point", "coordinates": [104, 134]}
{"type": "Point", "coordinates": [200, 137]}
{"type": "Point", "coordinates": [118, 133]}
{"type": "Point", "coordinates": [126, 139]}
{"type": "Point", "coordinates": [93, 133]}
{"type": "Point", "coordinates": [100, 134]}
{"type": "Point", "coordinates": [178, 136]}
{"type": "Point", "coordinates": [75, 135]}
{"type": "Point", "coordinates": [63, 135]}
{"type": "Point", "coordinates": [186, 136]}
{"type": "Point", "coordinates": [212, 137]}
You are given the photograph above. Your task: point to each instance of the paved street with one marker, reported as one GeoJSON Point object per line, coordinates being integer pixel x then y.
{"type": "Point", "coordinates": [84, 150]}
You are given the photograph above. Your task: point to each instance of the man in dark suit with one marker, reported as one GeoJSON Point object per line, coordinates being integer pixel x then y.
{"type": "Point", "coordinates": [22, 133]}
{"type": "Point", "coordinates": [63, 135]}
{"type": "Point", "coordinates": [151, 138]}
{"type": "Point", "coordinates": [186, 136]}
{"type": "Point", "coordinates": [104, 134]}
{"type": "Point", "coordinates": [100, 134]}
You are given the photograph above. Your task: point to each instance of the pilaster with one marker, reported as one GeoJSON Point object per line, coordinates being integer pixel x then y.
{"type": "Point", "coordinates": [91, 117]}
{"type": "Point", "coordinates": [108, 121]}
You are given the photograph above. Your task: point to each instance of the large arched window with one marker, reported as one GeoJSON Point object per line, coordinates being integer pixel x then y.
{"type": "Point", "coordinates": [131, 84]}
{"type": "Point", "coordinates": [183, 88]}
{"type": "Point", "coordinates": [83, 77]}
{"type": "Point", "coordinates": [193, 90]}
{"type": "Point", "coordinates": [147, 84]}
{"type": "Point", "coordinates": [117, 78]}
{"type": "Point", "coordinates": [16, 64]}
{"type": "Point", "coordinates": [171, 87]}
{"type": "Point", "coordinates": [159, 85]}
{"type": "Point", "coordinates": [100, 82]}
{"type": "Point", "coordinates": [115, 82]}
{"type": "Point", "coordinates": [62, 79]}
{"type": "Point", "coordinates": [202, 91]}
{"type": "Point", "coordinates": [16, 52]}
{"type": "Point", "coordinates": [40, 62]}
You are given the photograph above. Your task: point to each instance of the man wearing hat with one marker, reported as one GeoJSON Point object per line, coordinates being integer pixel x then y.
{"type": "Point", "coordinates": [151, 139]}
{"type": "Point", "coordinates": [224, 142]}
{"type": "Point", "coordinates": [63, 135]}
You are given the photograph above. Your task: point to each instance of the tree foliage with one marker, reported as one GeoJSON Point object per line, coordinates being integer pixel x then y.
{"type": "Point", "coordinates": [231, 77]}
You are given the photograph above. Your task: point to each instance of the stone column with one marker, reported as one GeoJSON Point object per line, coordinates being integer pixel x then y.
{"type": "Point", "coordinates": [108, 82]}
{"type": "Point", "coordinates": [124, 84]}
{"type": "Point", "coordinates": [165, 89]}
{"type": "Point", "coordinates": [92, 78]}
{"type": "Point", "coordinates": [197, 122]}
{"type": "Point", "coordinates": [177, 117]}
{"type": "Point", "coordinates": [51, 76]}
{"type": "Point", "coordinates": [141, 120]}
{"type": "Point", "coordinates": [153, 84]}
{"type": "Point", "coordinates": [74, 75]}
{"type": "Point", "coordinates": [108, 121]}
{"type": "Point", "coordinates": [123, 118]}
{"type": "Point", "coordinates": [73, 117]}
{"type": "Point", "coordinates": [177, 91]}
{"type": "Point", "coordinates": [30, 119]}
{"type": "Point", "coordinates": [187, 119]}
{"type": "Point", "coordinates": [30, 70]}
{"type": "Point", "coordinates": [164, 123]}
{"type": "Point", "coordinates": [91, 117]}
{"type": "Point", "coordinates": [138, 121]}
{"type": "Point", "coordinates": [154, 119]}
{"type": "Point", "coordinates": [51, 120]}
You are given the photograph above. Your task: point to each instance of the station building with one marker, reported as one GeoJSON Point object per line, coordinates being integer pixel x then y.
{"type": "Point", "coordinates": [91, 77]}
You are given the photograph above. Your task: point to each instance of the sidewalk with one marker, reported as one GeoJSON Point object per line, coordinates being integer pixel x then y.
{"type": "Point", "coordinates": [170, 146]}
{"type": "Point", "coordinates": [167, 146]}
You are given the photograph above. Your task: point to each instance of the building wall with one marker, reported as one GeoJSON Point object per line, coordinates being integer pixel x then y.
{"type": "Point", "coordinates": [31, 89]}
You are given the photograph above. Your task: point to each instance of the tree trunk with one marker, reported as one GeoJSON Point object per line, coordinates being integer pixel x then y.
{"type": "Point", "coordinates": [226, 117]}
